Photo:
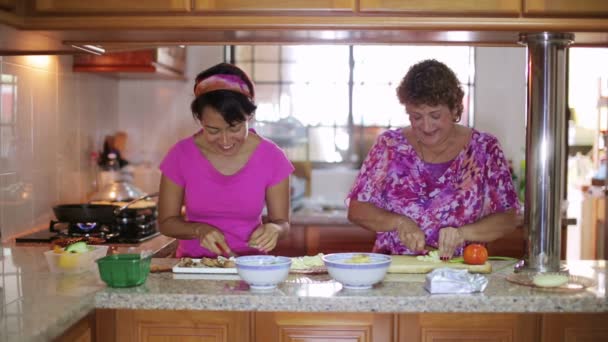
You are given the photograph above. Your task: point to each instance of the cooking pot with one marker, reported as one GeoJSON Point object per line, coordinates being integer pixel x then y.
{"type": "Point", "coordinates": [101, 213]}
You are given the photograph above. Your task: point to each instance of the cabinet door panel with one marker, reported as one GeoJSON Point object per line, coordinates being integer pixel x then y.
{"type": "Point", "coordinates": [497, 7]}
{"type": "Point", "coordinates": [322, 327]}
{"type": "Point", "coordinates": [178, 326]}
{"type": "Point", "coordinates": [124, 6]}
{"type": "Point", "coordinates": [468, 327]}
{"type": "Point", "coordinates": [575, 327]}
{"type": "Point", "coordinates": [83, 331]}
{"type": "Point", "coordinates": [274, 5]}
{"type": "Point", "coordinates": [566, 7]}
{"type": "Point", "coordinates": [337, 239]}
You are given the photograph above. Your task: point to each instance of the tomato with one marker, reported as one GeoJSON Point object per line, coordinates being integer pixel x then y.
{"type": "Point", "coordinates": [475, 254]}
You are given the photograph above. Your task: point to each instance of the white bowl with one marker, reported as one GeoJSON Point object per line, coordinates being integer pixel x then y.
{"type": "Point", "coordinates": [362, 275]}
{"type": "Point", "coordinates": [75, 262]}
{"type": "Point", "coordinates": [263, 272]}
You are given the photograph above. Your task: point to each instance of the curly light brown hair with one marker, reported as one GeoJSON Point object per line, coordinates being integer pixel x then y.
{"type": "Point", "coordinates": [432, 83]}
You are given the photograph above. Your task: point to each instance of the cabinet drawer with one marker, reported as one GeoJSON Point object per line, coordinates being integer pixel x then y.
{"type": "Point", "coordinates": [113, 6]}
{"type": "Point", "coordinates": [443, 7]}
{"type": "Point", "coordinates": [274, 5]}
{"type": "Point", "coordinates": [566, 8]}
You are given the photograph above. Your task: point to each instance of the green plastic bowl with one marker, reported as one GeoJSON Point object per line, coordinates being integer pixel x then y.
{"type": "Point", "coordinates": [124, 270]}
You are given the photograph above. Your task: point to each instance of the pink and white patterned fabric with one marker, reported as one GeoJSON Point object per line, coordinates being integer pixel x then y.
{"type": "Point", "coordinates": [476, 184]}
{"type": "Point", "coordinates": [222, 82]}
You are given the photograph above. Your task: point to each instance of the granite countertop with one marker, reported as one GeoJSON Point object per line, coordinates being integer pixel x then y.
{"type": "Point", "coordinates": [38, 306]}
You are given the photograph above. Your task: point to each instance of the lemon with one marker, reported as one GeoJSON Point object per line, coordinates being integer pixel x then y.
{"type": "Point", "coordinates": [68, 261]}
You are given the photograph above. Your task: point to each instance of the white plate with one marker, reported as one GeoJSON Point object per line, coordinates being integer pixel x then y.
{"type": "Point", "coordinates": [204, 269]}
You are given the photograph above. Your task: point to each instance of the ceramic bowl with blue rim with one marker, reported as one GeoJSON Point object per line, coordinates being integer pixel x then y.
{"type": "Point", "coordinates": [359, 271]}
{"type": "Point", "coordinates": [263, 272]}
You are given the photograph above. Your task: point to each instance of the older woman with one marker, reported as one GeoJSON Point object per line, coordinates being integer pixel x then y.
{"type": "Point", "coordinates": [434, 183]}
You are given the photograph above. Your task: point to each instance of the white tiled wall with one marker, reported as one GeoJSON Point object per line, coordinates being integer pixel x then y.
{"type": "Point", "coordinates": [56, 119]}
{"type": "Point", "coordinates": [155, 114]}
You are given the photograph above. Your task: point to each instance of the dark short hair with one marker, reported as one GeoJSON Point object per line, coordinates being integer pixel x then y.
{"type": "Point", "coordinates": [233, 106]}
{"type": "Point", "coordinates": [432, 83]}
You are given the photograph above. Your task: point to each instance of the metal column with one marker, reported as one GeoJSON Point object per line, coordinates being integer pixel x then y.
{"type": "Point", "coordinates": [545, 153]}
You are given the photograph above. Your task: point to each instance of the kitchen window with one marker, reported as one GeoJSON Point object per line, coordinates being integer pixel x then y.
{"type": "Point", "coordinates": [8, 115]}
{"type": "Point", "coordinates": [328, 103]}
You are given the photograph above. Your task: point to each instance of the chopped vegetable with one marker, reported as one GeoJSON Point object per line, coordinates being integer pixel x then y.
{"type": "Point", "coordinates": [78, 247]}
{"type": "Point", "coordinates": [433, 256]}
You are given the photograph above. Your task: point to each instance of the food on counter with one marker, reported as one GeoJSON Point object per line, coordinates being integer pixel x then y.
{"type": "Point", "coordinates": [66, 241]}
{"type": "Point", "coordinates": [475, 254]}
{"type": "Point", "coordinates": [307, 262]}
{"type": "Point", "coordinates": [137, 205]}
{"type": "Point", "coordinates": [219, 262]}
{"type": "Point", "coordinates": [67, 258]}
{"type": "Point", "coordinates": [549, 280]}
{"type": "Point", "coordinates": [78, 247]}
{"type": "Point", "coordinates": [433, 256]}
{"type": "Point", "coordinates": [358, 259]}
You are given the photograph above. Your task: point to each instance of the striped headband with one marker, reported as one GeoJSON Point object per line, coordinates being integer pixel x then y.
{"type": "Point", "coordinates": [222, 82]}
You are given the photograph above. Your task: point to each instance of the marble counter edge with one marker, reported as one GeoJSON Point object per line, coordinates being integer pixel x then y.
{"type": "Point", "coordinates": [435, 303]}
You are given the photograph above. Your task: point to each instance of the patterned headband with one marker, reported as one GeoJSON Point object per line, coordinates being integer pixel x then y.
{"type": "Point", "coordinates": [222, 82]}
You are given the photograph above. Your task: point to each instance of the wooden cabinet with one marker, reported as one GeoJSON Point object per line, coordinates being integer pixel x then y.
{"type": "Point", "coordinates": [511, 245]}
{"type": "Point", "coordinates": [323, 327]}
{"type": "Point", "coordinates": [8, 4]}
{"type": "Point", "coordinates": [294, 244]}
{"type": "Point", "coordinates": [230, 326]}
{"type": "Point", "coordinates": [443, 7]}
{"type": "Point", "coordinates": [178, 326]}
{"type": "Point", "coordinates": [111, 6]}
{"type": "Point", "coordinates": [274, 5]}
{"type": "Point", "coordinates": [469, 327]}
{"type": "Point", "coordinates": [315, 239]}
{"type": "Point", "coordinates": [336, 239]}
{"type": "Point", "coordinates": [83, 331]}
{"type": "Point", "coordinates": [164, 62]}
{"type": "Point", "coordinates": [575, 327]}
{"type": "Point", "coordinates": [566, 8]}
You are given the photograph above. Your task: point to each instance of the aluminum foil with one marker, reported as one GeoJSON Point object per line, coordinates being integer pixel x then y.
{"type": "Point", "coordinates": [449, 280]}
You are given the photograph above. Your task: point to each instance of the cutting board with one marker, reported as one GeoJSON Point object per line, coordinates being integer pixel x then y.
{"type": "Point", "coordinates": [409, 264]}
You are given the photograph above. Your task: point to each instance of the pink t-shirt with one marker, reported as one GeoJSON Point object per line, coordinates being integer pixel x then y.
{"type": "Point", "coordinates": [232, 204]}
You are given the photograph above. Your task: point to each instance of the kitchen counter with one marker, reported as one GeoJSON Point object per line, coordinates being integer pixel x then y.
{"type": "Point", "coordinates": [319, 217]}
{"type": "Point", "coordinates": [38, 306]}
{"type": "Point", "coordinates": [319, 293]}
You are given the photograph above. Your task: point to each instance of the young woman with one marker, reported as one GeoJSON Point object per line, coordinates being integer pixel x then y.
{"type": "Point", "coordinates": [224, 175]}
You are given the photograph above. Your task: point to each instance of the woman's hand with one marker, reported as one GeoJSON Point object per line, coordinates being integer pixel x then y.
{"type": "Point", "coordinates": [449, 239]}
{"type": "Point", "coordinates": [411, 236]}
{"type": "Point", "coordinates": [212, 239]}
{"type": "Point", "coordinates": [265, 237]}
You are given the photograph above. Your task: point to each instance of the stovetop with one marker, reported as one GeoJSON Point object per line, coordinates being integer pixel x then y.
{"type": "Point", "coordinates": [116, 233]}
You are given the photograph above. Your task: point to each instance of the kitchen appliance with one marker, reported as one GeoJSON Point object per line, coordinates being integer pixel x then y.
{"type": "Point", "coordinates": [104, 221]}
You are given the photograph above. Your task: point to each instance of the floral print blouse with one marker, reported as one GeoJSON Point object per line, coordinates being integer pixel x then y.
{"type": "Point", "coordinates": [476, 184]}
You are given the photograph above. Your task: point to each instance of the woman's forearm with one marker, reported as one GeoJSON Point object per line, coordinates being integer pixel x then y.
{"type": "Point", "coordinates": [178, 228]}
{"type": "Point", "coordinates": [491, 227]}
{"type": "Point", "coordinates": [375, 219]}
{"type": "Point", "coordinates": [283, 226]}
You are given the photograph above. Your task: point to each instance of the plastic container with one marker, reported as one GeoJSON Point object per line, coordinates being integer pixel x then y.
{"type": "Point", "coordinates": [124, 270]}
{"type": "Point", "coordinates": [74, 262]}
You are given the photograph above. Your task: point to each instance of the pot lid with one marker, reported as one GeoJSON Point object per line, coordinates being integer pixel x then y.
{"type": "Point", "coordinates": [120, 190]}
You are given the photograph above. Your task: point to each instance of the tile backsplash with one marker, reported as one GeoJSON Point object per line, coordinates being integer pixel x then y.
{"type": "Point", "coordinates": [51, 119]}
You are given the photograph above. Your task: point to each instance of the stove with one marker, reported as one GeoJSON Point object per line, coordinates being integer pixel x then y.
{"type": "Point", "coordinates": [126, 229]}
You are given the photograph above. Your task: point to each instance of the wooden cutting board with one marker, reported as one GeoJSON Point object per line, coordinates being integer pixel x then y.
{"type": "Point", "coordinates": [409, 264]}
